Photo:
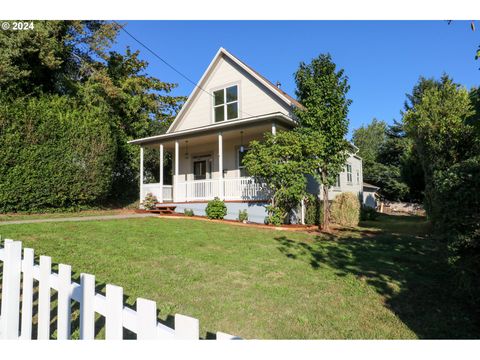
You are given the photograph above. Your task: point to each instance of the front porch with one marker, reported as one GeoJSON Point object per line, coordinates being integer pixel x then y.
{"type": "Point", "coordinates": [240, 189]}
{"type": "Point", "coordinates": [205, 165]}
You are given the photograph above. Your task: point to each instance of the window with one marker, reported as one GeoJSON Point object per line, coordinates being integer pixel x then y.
{"type": "Point", "coordinates": [337, 181]}
{"type": "Point", "coordinates": [225, 104]}
{"type": "Point", "coordinates": [349, 174]}
{"type": "Point", "coordinates": [358, 177]}
{"type": "Point", "coordinates": [241, 167]}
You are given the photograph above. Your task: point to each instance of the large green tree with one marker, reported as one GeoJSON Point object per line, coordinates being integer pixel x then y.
{"type": "Point", "coordinates": [279, 162]}
{"type": "Point", "coordinates": [322, 89]}
{"type": "Point", "coordinates": [72, 59]}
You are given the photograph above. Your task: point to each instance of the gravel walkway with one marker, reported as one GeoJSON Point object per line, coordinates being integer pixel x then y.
{"type": "Point", "coordinates": [78, 218]}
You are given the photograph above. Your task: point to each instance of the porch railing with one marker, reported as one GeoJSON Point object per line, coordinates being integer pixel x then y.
{"type": "Point", "coordinates": [156, 190]}
{"type": "Point", "coordinates": [233, 189]}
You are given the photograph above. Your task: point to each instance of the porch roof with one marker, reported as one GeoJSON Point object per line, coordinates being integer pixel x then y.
{"type": "Point", "coordinates": [221, 126]}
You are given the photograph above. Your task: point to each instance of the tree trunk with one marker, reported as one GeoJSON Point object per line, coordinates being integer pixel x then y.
{"type": "Point", "coordinates": [326, 205]}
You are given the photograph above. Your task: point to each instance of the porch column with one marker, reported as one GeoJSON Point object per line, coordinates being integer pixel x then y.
{"type": "Point", "coordinates": [175, 175]}
{"type": "Point", "coordinates": [220, 166]}
{"type": "Point", "coordinates": [274, 128]}
{"type": "Point", "coordinates": [161, 174]}
{"type": "Point", "coordinates": [141, 173]}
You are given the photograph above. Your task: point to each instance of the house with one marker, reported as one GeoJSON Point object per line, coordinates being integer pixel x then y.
{"type": "Point", "coordinates": [370, 195]}
{"type": "Point", "coordinates": [232, 105]}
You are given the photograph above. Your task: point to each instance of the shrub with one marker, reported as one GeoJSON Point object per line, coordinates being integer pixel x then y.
{"type": "Point", "coordinates": [456, 218]}
{"type": "Point", "coordinates": [243, 215]}
{"type": "Point", "coordinates": [149, 202]}
{"type": "Point", "coordinates": [55, 153]}
{"type": "Point", "coordinates": [188, 212]}
{"type": "Point", "coordinates": [216, 209]}
{"type": "Point", "coordinates": [368, 213]}
{"type": "Point", "coordinates": [345, 209]}
{"type": "Point", "coordinates": [313, 210]}
{"type": "Point", "coordinates": [276, 215]}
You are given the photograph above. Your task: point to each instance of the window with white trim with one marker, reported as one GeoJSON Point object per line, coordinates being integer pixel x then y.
{"type": "Point", "coordinates": [337, 181]}
{"type": "Point", "coordinates": [225, 104]}
{"type": "Point", "coordinates": [241, 167]}
{"type": "Point", "coordinates": [349, 174]}
{"type": "Point", "coordinates": [358, 177]}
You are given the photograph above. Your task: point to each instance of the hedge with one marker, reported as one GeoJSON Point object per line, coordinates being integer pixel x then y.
{"type": "Point", "coordinates": [55, 154]}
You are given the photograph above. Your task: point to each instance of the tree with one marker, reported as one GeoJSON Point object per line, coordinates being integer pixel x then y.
{"type": "Point", "coordinates": [436, 121]}
{"type": "Point", "coordinates": [72, 59]}
{"type": "Point", "coordinates": [322, 90]}
{"type": "Point", "coordinates": [369, 139]}
{"type": "Point", "coordinates": [389, 160]}
{"type": "Point", "coordinates": [278, 162]}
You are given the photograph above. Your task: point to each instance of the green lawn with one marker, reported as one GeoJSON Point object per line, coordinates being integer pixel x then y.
{"type": "Point", "coordinates": [383, 280]}
{"type": "Point", "coordinates": [24, 216]}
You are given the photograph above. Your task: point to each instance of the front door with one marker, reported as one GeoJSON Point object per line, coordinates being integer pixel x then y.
{"type": "Point", "coordinates": [199, 169]}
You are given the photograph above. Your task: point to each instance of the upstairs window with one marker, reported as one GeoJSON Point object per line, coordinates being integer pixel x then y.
{"type": "Point", "coordinates": [349, 174]}
{"type": "Point", "coordinates": [225, 104]}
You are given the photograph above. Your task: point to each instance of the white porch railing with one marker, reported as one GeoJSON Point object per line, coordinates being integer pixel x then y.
{"type": "Point", "coordinates": [157, 190]}
{"type": "Point", "coordinates": [244, 188]}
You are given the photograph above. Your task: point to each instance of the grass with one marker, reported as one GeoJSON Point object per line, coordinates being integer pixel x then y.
{"type": "Point", "coordinates": [383, 280]}
{"type": "Point", "coordinates": [57, 215]}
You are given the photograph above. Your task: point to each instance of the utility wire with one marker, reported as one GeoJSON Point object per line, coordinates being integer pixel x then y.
{"type": "Point", "coordinates": [166, 63]}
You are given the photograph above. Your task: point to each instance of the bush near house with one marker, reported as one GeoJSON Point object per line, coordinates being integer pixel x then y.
{"type": "Point", "coordinates": [345, 209]}
{"type": "Point", "coordinates": [216, 209]}
{"type": "Point", "coordinates": [188, 212]}
{"type": "Point", "coordinates": [367, 213]}
{"type": "Point", "coordinates": [242, 215]}
{"type": "Point", "coordinates": [313, 210]}
{"type": "Point", "coordinates": [149, 202]}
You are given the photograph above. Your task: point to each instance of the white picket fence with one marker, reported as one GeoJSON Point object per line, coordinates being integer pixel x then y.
{"type": "Point", "coordinates": [17, 304]}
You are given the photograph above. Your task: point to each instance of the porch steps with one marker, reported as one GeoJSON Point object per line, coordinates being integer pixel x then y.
{"type": "Point", "coordinates": [163, 209]}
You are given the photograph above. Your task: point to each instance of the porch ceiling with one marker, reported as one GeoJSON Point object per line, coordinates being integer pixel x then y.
{"type": "Point", "coordinates": [211, 137]}
{"type": "Point", "coordinates": [256, 125]}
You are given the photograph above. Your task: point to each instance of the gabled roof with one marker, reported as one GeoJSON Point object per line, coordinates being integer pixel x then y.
{"type": "Point", "coordinates": [290, 101]}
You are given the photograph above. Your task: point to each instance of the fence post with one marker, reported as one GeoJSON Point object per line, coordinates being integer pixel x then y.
{"type": "Point", "coordinates": [87, 312]}
{"type": "Point", "coordinates": [186, 328]}
{"type": "Point", "coordinates": [64, 308]}
{"type": "Point", "coordinates": [12, 268]}
{"type": "Point", "coordinates": [44, 298]}
{"type": "Point", "coordinates": [147, 319]}
{"type": "Point", "coordinates": [114, 315]}
{"type": "Point", "coordinates": [27, 293]}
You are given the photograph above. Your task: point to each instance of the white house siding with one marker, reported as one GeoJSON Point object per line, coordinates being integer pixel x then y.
{"type": "Point", "coordinates": [254, 98]}
{"type": "Point", "coordinates": [355, 187]}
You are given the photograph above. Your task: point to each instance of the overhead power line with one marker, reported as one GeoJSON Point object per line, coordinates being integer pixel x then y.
{"type": "Point", "coordinates": [167, 63]}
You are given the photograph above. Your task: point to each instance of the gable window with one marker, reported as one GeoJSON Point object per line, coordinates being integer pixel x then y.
{"type": "Point", "coordinates": [225, 104]}
{"type": "Point", "coordinates": [241, 167]}
{"type": "Point", "coordinates": [349, 174]}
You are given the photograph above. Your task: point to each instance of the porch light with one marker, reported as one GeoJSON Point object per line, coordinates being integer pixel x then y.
{"type": "Point", "coordinates": [242, 149]}
{"type": "Point", "coordinates": [186, 152]}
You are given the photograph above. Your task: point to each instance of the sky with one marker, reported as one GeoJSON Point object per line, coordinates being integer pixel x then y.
{"type": "Point", "coordinates": [382, 59]}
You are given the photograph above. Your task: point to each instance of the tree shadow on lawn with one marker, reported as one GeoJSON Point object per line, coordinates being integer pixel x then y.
{"type": "Point", "coordinates": [409, 272]}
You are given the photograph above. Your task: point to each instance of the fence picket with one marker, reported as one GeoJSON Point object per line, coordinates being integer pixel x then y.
{"type": "Point", "coordinates": [44, 298]}
{"type": "Point", "coordinates": [64, 307]}
{"type": "Point", "coordinates": [27, 293]}
{"type": "Point", "coordinates": [113, 318]}
{"type": "Point", "coordinates": [12, 270]}
{"type": "Point", "coordinates": [186, 328]}
{"type": "Point", "coordinates": [87, 312]}
{"type": "Point", "coordinates": [143, 321]}
{"type": "Point", "coordinates": [147, 319]}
